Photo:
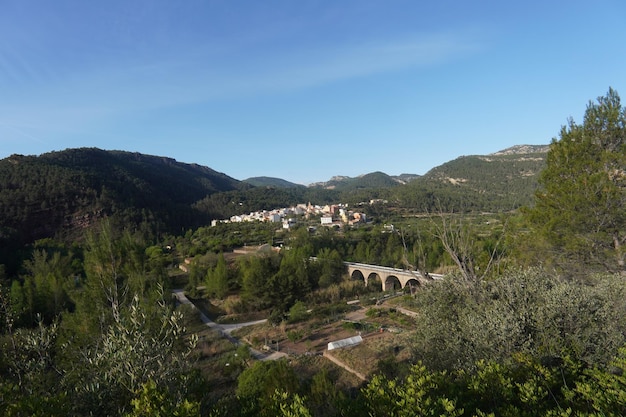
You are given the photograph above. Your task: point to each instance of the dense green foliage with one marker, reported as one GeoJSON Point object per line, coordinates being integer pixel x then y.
{"type": "Point", "coordinates": [84, 335]}
{"type": "Point", "coordinates": [77, 185]}
{"type": "Point", "coordinates": [579, 213]}
{"type": "Point", "coordinates": [526, 387]}
{"type": "Point", "coordinates": [531, 312]}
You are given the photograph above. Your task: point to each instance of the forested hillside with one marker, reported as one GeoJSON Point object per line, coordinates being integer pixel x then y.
{"type": "Point", "coordinates": [501, 181]}
{"type": "Point", "coordinates": [271, 182]}
{"type": "Point", "coordinates": [65, 192]}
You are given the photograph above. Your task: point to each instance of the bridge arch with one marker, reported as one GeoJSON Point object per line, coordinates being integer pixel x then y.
{"type": "Point", "coordinates": [411, 286]}
{"type": "Point", "coordinates": [413, 282]}
{"type": "Point", "coordinates": [374, 281]}
{"type": "Point", "coordinates": [357, 275]}
{"type": "Point", "coordinates": [392, 282]}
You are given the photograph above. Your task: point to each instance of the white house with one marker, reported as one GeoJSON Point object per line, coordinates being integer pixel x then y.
{"type": "Point", "coordinates": [327, 220]}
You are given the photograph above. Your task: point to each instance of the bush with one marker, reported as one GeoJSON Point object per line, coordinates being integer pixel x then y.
{"type": "Point", "coordinates": [531, 312]}
{"type": "Point", "coordinates": [297, 312]}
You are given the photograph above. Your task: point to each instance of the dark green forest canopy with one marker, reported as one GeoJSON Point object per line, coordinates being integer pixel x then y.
{"type": "Point", "coordinates": [41, 196]}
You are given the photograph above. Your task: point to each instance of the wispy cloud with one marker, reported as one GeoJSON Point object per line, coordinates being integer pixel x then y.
{"type": "Point", "coordinates": [195, 77]}
{"type": "Point", "coordinates": [190, 75]}
{"type": "Point", "coordinates": [361, 60]}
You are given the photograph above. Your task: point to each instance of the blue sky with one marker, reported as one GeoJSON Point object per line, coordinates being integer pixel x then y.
{"type": "Point", "coordinates": [302, 90]}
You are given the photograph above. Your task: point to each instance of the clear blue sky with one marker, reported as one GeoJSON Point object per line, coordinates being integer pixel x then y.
{"type": "Point", "coordinates": [302, 90]}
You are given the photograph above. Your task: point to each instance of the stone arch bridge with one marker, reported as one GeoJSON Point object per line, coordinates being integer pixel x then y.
{"type": "Point", "coordinates": [389, 277]}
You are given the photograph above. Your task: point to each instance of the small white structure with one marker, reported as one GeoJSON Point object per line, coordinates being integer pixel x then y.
{"type": "Point", "coordinates": [327, 220]}
{"type": "Point", "coordinates": [351, 341]}
{"type": "Point", "coordinates": [289, 223]}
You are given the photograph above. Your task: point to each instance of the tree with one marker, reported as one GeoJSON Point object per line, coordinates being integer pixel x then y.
{"type": "Point", "coordinates": [293, 279]}
{"type": "Point", "coordinates": [258, 384]}
{"type": "Point", "coordinates": [141, 346]}
{"type": "Point", "coordinates": [30, 377]}
{"type": "Point", "coordinates": [152, 402]}
{"type": "Point", "coordinates": [459, 239]}
{"type": "Point", "coordinates": [297, 312]}
{"type": "Point", "coordinates": [579, 214]}
{"type": "Point", "coordinates": [422, 393]}
{"type": "Point", "coordinates": [106, 285]}
{"type": "Point", "coordinates": [325, 399]}
{"type": "Point", "coordinates": [45, 282]}
{"type": "Point", "coordinates": [255, 273]}
{"type": "Point", "coordinates": [217, 278]}
{"type": "Point", "coordinates": [532, 311]}
{"type": "Point", "coordinates": [330, 267]}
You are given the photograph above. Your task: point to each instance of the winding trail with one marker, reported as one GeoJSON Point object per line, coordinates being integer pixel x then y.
{"type": "Point", "coordinates": [226, 329]}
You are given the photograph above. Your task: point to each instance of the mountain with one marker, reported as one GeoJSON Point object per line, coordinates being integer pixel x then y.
{"type": "Point", "coordinates": [405, 178]}
{"type": "Point", "coordinates": [372, 180]}
{"type": "Point", "coordinates": [499, 169]}
{"type": "Point", "coordinates": [271, 182]}
{"type": "Point", "coordinates": [68, 191]}
{"type": "Point", "coordinates": [503, 180]}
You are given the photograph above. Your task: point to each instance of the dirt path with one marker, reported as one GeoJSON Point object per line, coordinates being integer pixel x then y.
{"type": "Point", "coordinates": [338, 362]}
{"type": "Point", "coordinates": [226, 329]}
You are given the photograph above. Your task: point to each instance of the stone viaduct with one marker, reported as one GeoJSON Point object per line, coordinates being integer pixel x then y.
{"type": "Point", "coordinates": [389, 277]}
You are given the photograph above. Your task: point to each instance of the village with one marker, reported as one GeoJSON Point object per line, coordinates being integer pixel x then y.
{"type": "Point", "coordinates": [335, 215]}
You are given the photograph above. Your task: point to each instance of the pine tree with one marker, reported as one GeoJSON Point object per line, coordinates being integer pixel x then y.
{"type": "Point", "coordinates": [217, 278]}
{"type": "Point", "coordinates": [579, 211]}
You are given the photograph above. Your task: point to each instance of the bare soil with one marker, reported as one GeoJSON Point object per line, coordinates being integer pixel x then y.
{"type": "Point", "coordinates": [386, 334]}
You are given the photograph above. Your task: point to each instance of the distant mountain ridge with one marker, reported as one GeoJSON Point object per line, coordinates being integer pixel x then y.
{"type": "Point", "coordinates": [372, 180]}
{"type": "Point", "coordinates": [271, 182]}
{"type": "Point", "coordinates": [405, 178]}
{"type": "Point", "coordinates": [67, 191]}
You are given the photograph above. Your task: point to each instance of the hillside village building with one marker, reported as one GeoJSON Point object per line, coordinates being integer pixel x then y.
{"type": "Point", "coordinates": [335, 214]}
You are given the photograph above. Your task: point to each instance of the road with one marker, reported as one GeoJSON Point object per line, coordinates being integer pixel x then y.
{"type": "Point", "coordinates": [226, 329]}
